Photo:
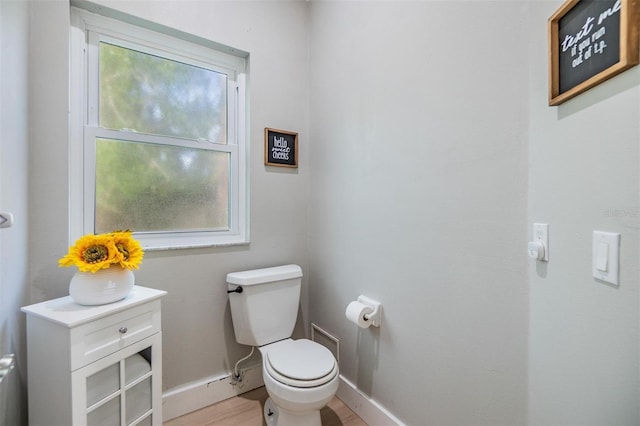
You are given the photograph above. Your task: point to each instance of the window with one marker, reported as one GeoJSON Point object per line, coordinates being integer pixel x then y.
{"type": "Point", "coordinates": [157, 136]}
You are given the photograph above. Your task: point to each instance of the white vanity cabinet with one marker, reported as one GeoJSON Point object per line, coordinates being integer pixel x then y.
{"type": "Point", "coordinates": [95, 365]}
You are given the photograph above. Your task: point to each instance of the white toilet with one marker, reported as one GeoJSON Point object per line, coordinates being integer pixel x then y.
{"type": "Point", "coordinates": [300, 376]}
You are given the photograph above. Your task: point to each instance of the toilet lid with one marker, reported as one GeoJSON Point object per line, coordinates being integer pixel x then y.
{"type": "Point", "coordinates": [301, 363]}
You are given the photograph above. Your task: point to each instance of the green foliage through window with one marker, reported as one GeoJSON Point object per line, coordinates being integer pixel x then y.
{"type": "Point", "coordinates": [151, 187]}
{"type": "Point", "coordinates": [154, 95]}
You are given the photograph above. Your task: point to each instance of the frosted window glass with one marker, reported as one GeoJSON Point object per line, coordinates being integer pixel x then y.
{"type": "Point", "coordinates": [160, 188]}
{"type": "Point", "coordinates": [155, 95]}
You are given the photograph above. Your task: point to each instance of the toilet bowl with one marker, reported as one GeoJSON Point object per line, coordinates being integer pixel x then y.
{"type": "Point", "coordinates": [301, 376]}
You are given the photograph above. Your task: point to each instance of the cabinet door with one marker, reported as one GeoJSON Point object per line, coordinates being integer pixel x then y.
{"type": "Point", "coordinates": [120, 389]}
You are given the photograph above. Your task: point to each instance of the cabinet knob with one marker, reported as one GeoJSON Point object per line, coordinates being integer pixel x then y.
{"type": "Point", "coordinates": [122, 330]}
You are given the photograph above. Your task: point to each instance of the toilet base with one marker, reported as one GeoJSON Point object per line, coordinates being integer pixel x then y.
{"type": "Point", "coordinates": [277, 416]}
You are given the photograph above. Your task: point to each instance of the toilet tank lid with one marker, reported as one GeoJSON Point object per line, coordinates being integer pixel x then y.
{"type": "Point", "coordinates": [264, 275]}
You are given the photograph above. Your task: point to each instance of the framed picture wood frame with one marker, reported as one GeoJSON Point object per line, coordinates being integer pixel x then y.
{"type": "Point", "coordinates": [590, 41]}
{"type": "Point", "coordinates": [280, 148]}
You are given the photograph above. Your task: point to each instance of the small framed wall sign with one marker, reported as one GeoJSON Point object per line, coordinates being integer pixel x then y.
{"type": "Point", "coordinates": [280, 148]}
{"type": "Point", "coordinates": [590, 41]}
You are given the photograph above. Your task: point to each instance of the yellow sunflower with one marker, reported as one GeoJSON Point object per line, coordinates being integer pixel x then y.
{"type": "Point", "coordinates": [129, 251]}
{"type": "Point", "coordinates": [91, 253]}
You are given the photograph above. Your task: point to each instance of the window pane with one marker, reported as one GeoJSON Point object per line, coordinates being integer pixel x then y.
{"type": "Point", "coordinates": [159, 188]}
{"type": "Point", "coordinates": [155, 95]}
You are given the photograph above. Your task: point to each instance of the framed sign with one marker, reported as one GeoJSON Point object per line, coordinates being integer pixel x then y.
{"type": "Point", "coordinates": [280, 148]}
{"type": "Point", "coordinates": [590, 41]}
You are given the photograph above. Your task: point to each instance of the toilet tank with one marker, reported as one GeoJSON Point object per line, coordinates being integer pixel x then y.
{"type": "Point", "coordinates": [267, 309]}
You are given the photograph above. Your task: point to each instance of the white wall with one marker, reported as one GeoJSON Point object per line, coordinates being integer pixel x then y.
{"type": "Point", "coordinates": [583, 176]}
{"type": "Point", "coordinates": [14, 143]}
{"type": "Point", "coordinates": [197, 332]}
{"type": "Point", "coordinates": [418, 199]}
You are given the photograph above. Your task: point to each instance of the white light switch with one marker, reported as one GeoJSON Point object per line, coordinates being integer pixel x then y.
{"type": "Point", "coordinates": [602, 257]}
{"type": "Point", "coordinates": [606, 254]}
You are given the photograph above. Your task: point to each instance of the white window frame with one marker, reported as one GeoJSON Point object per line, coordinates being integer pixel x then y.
{"type": "Point", "coordinates": [87, 30]}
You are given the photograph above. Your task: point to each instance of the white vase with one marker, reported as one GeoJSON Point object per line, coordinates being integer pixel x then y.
{"type": "Point", "coordinates": [104, 286]}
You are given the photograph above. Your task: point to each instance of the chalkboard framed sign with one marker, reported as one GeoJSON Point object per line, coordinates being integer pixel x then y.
{"type": "Point", "coordinates": [590, 41]}
{"type": "Point", "coordinates": [280, 148]}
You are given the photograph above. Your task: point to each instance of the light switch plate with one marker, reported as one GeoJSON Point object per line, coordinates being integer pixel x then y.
{"type": "Point", "coordinates": [606, 255]}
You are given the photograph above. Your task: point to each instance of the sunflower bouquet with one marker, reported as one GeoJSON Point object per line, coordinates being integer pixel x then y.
{"type": "Point", "coordinates": [94, 252]}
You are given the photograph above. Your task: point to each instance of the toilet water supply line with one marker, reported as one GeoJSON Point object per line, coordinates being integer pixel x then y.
{"type": "Point", "coordinates": [236, 374]}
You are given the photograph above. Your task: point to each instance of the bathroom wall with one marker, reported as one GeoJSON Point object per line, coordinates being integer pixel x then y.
{"type": "Point", "coordinates": [14, 38]}
{"type": "Point", "coordinates": [198, 336]}
{"type": "Point", "coordinates": [583, 176]}
{"type": "Point", "coordinates": [419, 200]}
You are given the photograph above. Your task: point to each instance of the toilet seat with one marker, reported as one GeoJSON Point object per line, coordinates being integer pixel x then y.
{"type": "Point", "coordinates": [300, 363]}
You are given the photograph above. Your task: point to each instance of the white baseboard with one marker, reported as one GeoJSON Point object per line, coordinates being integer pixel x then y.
{"type": "Point", "coordinates": [202, 393]}
{"type": "Point", "coordinates": [366, 408]}
{"type": "Point", "coordinates": [199, 394]}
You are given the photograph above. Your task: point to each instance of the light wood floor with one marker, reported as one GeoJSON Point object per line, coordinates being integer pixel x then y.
{"type": "Point", "coordinates": [246, 410]}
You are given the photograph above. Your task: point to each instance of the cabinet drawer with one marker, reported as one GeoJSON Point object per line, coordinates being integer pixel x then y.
{"type": "Point", "coordinates": [104, 336]}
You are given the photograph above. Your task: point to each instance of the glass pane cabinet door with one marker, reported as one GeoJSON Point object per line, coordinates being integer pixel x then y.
{"type": "Point", "coordinates": [107, 414]}
{"type": "Point", "coordinates": [138, 388]}
{"type": "Point", "coordinates": [136, 366]}
{"type": "Point", "coordinates": [102, 384]}
{"type": "Point", "coordinates": [138, 400]}
{"type": "Point", "coordinates": [118, 388]}
{"type": "Point", "coordinates": [145, 422]}
{"type": "Point", "coordinates": [105, 384]}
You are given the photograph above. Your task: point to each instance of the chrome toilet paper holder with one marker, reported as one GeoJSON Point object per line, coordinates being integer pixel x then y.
{"type": "Point", "coordinates": [376, 316]}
